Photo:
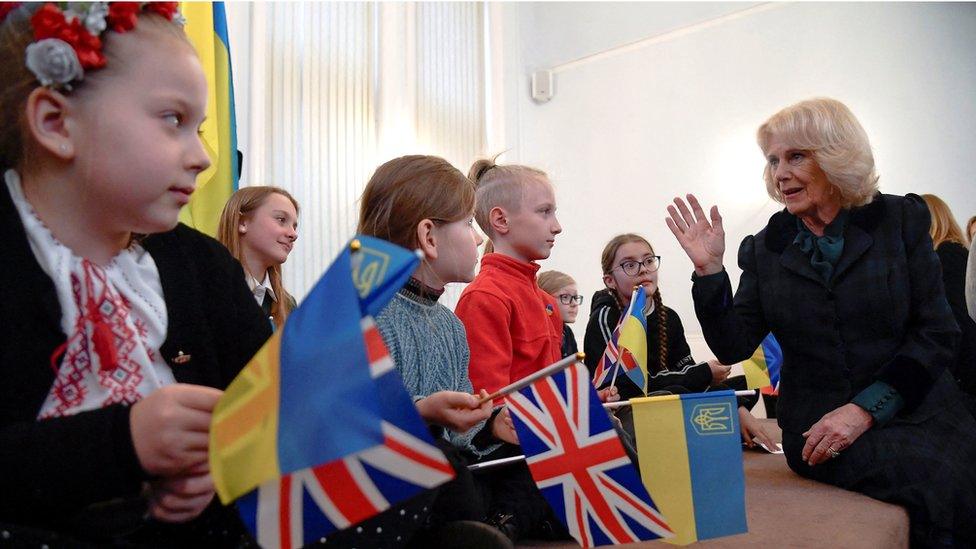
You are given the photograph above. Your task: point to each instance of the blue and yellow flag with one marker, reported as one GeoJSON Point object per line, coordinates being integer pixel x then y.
{"type": "Point", "coordinates": [632, 343]}
{"type": "Point", "coordinates": [206, 27]}
{"type": "Point", "coordinates": [308, 397]}
{"type": "Point", "coordinates": [762, 369]}
{"type": "Point", "coordinates": [691, 462]}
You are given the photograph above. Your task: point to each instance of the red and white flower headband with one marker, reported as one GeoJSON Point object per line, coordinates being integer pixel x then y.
{"type": "Point", "coordinates": [67, 35]}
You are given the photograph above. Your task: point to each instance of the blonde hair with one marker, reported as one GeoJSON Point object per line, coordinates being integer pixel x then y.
{"type": "Point", "coordinates": [606, 264]}
{"type": "Point", "coordinates": [404, 191]}
{"type": "Point", "coordinates": [17, 82]}
{"type": "Point", "coordinates": [239, 207]}
{"type": "Point", "coordinates": [837, 141]}
{"type": "Point", "coordinates": [499, 186]}
{"type": "Point", "coordinates": [944, 227]}
{"type": "Point", "coordinates": [552, 281]}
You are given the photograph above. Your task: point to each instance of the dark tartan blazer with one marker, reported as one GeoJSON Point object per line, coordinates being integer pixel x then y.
{"type": "Point", "coordinates": [883, 316]}
{"type": "Point", "coordinates": [52, 468]}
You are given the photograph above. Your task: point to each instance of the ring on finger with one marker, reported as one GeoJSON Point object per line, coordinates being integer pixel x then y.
{"type": "Point", "coordinates": [833, 453]}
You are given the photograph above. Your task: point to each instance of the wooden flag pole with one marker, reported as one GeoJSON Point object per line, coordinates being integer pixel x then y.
{"type": "Point", "coordinates": [622, 403]}
{"type": "Point", "coordinates": [532, 378]}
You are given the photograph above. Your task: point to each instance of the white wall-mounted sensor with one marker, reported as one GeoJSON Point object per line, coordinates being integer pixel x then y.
{"type": "Point", "coordinates": [542, 86]}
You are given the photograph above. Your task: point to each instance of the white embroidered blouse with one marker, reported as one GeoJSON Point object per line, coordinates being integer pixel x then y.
{"type": "Point", "coordinates": [114, 317]}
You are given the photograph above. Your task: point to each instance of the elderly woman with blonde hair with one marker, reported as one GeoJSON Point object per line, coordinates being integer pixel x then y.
{"type": "Point", "coordinates": [847, 280]}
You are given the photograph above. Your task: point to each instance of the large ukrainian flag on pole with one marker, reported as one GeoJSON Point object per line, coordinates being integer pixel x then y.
{"type": "Point", "coordinates": [206, 27]}
{"type": "Point", "coordinates": [308, 396]}
{"type": "Point", "coordinates": [691, 462]}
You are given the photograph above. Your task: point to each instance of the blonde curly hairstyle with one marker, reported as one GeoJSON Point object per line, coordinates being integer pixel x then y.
{"type": "Point", "coordinates": [837, 142]}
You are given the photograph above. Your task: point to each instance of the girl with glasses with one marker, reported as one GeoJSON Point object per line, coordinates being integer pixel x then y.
{"type": "Point", "coordinates": [629, 261]}
{"type": "Point", "coordinates": [562, 287]}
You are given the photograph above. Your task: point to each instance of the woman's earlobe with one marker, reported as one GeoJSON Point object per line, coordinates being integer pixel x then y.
{"type": "Point", "coordinates": [242, 228]}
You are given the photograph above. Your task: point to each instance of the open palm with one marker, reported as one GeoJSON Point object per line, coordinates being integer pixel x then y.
{"type": "Point", "coordinates": [703, 239]}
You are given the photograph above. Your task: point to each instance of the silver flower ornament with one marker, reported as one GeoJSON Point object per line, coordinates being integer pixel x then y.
{"type": "Point", "coordinates": [95, 19]}
{"type": "Point", "coordinates": [54, 62]}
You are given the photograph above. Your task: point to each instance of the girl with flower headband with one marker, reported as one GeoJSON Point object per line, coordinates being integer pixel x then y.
{"type": "Point", "coordinates": [122, 325]}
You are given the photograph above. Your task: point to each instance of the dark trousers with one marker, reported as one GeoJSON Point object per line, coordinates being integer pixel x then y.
{"type": "Point", "coordinates": [510, 490]}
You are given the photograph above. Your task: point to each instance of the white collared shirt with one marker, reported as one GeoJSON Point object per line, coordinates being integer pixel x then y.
{"type": "Point", "coordinates": [259, 289]}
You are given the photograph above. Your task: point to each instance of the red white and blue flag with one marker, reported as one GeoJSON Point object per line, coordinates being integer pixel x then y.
{"type": "Point", "coordinates": [579, 464]}
{"type": "Point", "coordinates": [312, 503]}
{"type": "Point", "coordinates": [627, 346]}
{"type": "Point", "coordinates": [609, 360]}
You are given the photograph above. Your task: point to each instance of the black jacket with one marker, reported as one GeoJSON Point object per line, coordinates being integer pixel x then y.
{"type": "Point", "coordinates": [53, 468]}
{"type": "Point", "coordinates": [681, 372]}
{"type": "Point", "coordinates": [883, 316]}
{"type": "Point", "coordinates": [954, 258]}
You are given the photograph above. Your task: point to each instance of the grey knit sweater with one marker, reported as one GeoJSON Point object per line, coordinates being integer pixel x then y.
{"type": "Point", "coordinates": [430, 350]}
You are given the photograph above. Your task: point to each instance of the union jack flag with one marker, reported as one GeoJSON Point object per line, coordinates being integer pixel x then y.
{"type": "Point", "coordinates": [579, 463]}
{"type": "Point", "coordinates": [627, 346]}
{"type": "Point", "coordinates": [609, 360]}
{"type": "Point", "coordinates": [310, 504]}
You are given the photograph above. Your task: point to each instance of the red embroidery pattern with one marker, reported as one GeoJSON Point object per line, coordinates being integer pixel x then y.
{"type": "Point", "coordinates": [100, 353]}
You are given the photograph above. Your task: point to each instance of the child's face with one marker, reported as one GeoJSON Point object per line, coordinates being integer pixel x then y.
{"type": "Point", "coordinates": [533, 228]}
{"type": "Point", "coordinates": [457, 251]}
{"type": "Point", "coordinates": [269, 231]}
{"type": "Point", "coordinates": [139, 152]}
{"type": "Point", "coordinates": [570, 310]}
{"type": "Point", "coordinates": [622, 282]}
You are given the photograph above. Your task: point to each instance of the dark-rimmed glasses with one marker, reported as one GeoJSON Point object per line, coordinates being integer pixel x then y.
{"type": "Point", "coordinates": [632, 268]}
{"type": "Point", "coordinates": [567, 299]}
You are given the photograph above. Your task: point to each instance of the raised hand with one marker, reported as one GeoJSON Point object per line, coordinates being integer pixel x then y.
{"type": "Point", "coordinates": [703, 241]}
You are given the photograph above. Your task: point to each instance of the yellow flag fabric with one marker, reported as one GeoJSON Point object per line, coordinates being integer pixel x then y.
{"type": "Point", "coordinates": [757, 373]}
{"type": "Point", "coordinates": [691, 462]}
{"type": "Point", "coordinates": [244, 436]}
{"type": "Point", "coordinates": [206, 27]}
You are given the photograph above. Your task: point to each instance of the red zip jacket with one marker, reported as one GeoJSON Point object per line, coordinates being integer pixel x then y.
{"type": "Point", "coordinates": [513, 327]}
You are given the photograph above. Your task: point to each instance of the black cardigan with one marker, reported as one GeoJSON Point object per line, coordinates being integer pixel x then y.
{"type": "Point", "coordinates": [682, 372]}
{"type": "Point", "coordinates": [53, 468]}
{"type": "Point", "coordinates": [954, 258]}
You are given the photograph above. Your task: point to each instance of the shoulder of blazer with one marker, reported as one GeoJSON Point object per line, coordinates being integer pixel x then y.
{"type": "Point", "coordinates": [781, 229]}
{"type": "Point", "coordinates": [26, 285]}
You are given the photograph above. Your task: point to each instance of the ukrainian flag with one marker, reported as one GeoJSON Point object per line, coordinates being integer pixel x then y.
{"type": "Point", "coordinates": [632, 343]}
{"type": "Point", "coordinates": [691, 462]}
{"type": "Point", "coordinates": [307, 397]}
{"type": "Point", "coordinates": [762, 369]}
{"type": "Point", "coordinates": [206, 27]}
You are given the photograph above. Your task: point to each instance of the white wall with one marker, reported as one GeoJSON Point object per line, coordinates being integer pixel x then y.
{"type": "Point", "coordinates": [629, 130]}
